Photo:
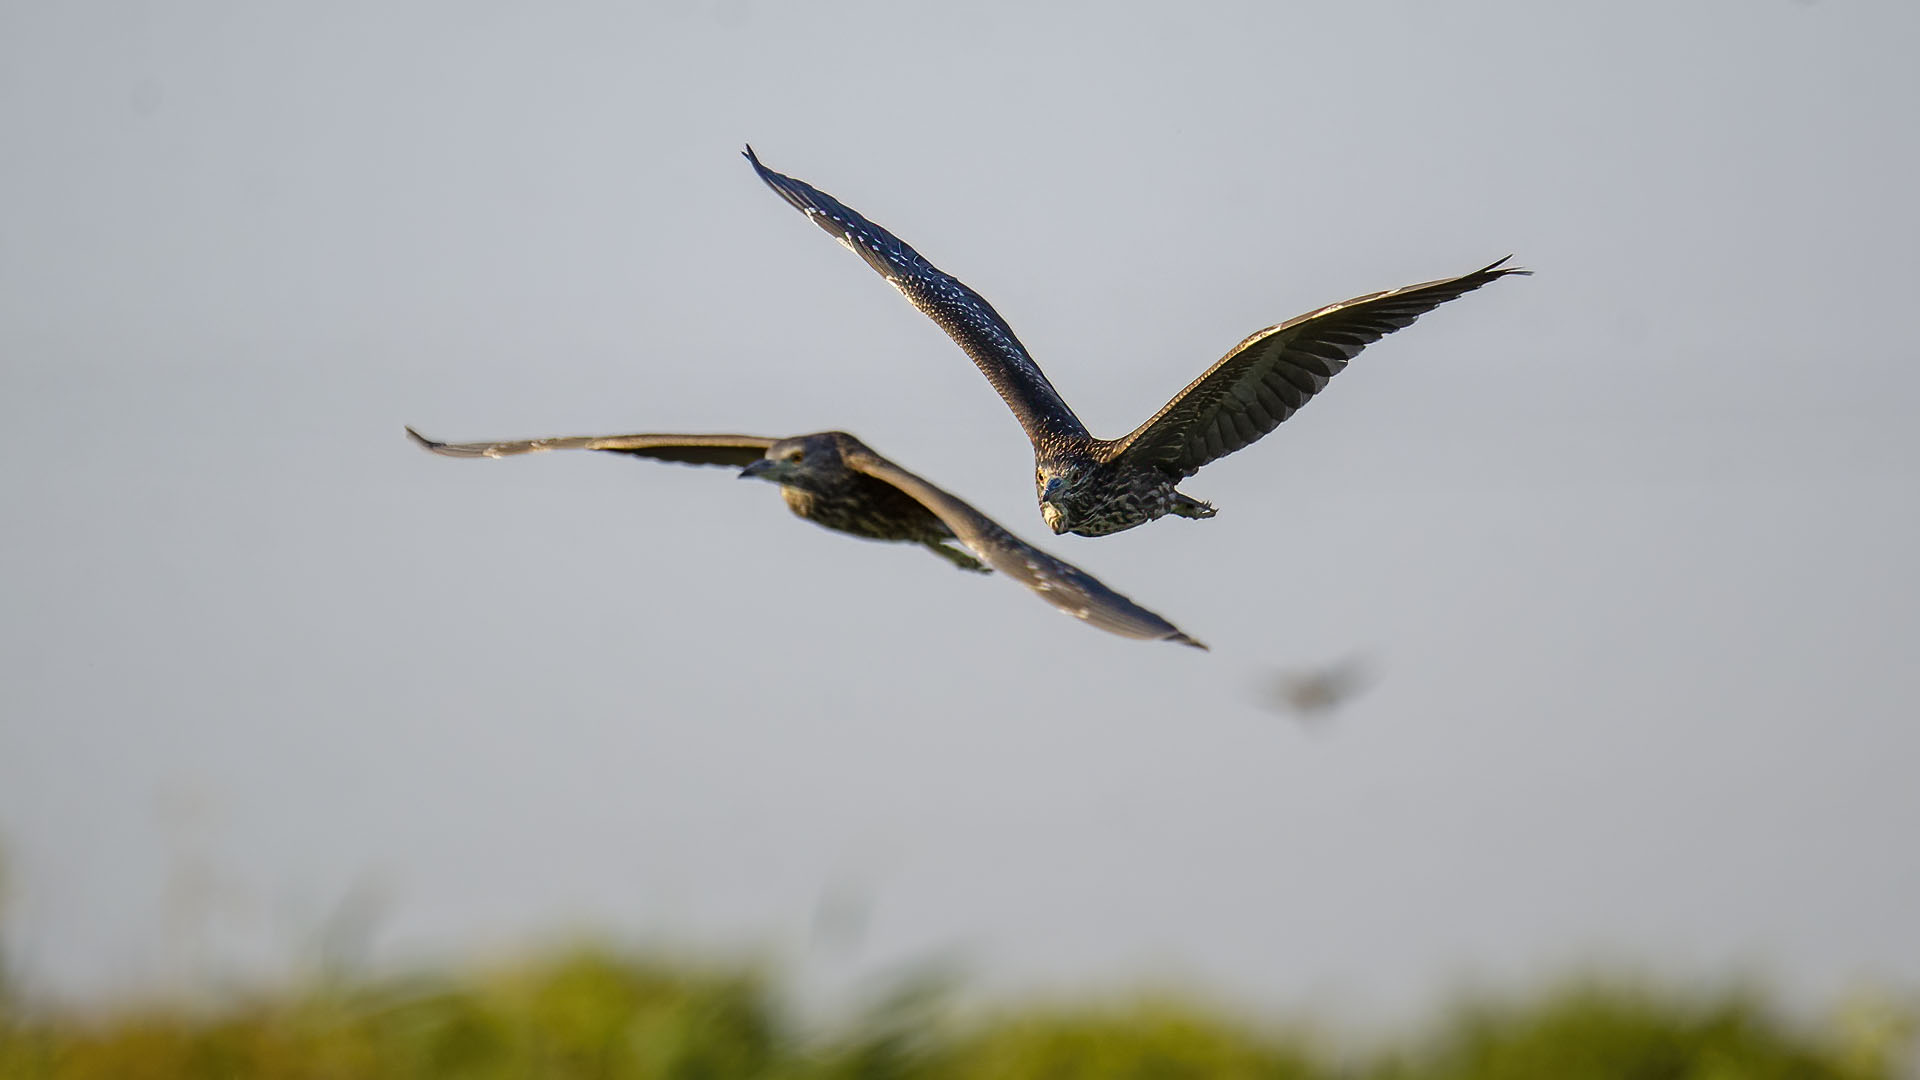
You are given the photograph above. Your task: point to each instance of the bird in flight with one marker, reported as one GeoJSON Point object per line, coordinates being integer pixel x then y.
{"type": "Point", "coordinates": [834, 480]}
{"type": "Point", "coordinates": [1091, 486]}
{"type": "Point", "coordinates": [1314, 693]}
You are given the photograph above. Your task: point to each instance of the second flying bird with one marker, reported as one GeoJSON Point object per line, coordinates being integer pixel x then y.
{"type": "Point", "coordinates": [1092, 486]}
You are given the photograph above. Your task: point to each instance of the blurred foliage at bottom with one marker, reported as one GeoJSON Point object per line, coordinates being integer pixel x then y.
{"type": "Point", "coordinates": [594, 1014]}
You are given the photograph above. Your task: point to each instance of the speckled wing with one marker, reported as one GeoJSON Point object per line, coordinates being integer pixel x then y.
{"type": "Point", "coordinates": [1061, 584]}
{"type": "Point", "coordinates": [967, 318]}
{"type": "Point", "coordinates": [734, 450]}
{"type": "Point", "coordinates": [1270, 375]}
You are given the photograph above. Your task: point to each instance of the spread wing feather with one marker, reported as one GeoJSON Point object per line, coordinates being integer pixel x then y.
{"type": "Point", "coordinates": [1061, 584]}
{"type": "Point", "coordinates": [735, 450]}
{"type": "Point", "coordinates": [967, 318]}
{"type": "Point", "coordinates": [1270, 375]}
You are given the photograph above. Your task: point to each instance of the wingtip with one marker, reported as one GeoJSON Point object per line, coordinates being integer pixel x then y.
{"type": "Point", "coordinates": [1500, 265]}
{"type": "Point", "coordinates": [748, 154]}
{"type": "Point", "coordinates": [1185, 640]}
{"type": "Point", "coordinates": [424, 442]}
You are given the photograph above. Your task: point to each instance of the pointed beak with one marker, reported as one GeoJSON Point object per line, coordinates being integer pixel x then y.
{"type": "Point", "coordinates": [763, 469]}
{"type": "Point", "coordinates": [1056, 517]}
{"type": "Point", "coordinates": [1056, 520]}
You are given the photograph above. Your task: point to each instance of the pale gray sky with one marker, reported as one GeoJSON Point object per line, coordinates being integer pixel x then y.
{"type": "Point", "coordinates": [1631, 542]}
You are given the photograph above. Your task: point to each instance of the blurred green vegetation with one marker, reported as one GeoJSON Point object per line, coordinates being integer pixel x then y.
{"type": "Point", "coordinates": [597, 1014]}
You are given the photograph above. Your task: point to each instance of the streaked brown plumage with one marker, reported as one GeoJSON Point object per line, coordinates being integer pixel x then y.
{"type": "Point", "coordinates": [1092, 486]}
{"type": "Point", "coordinates": [834, 480]}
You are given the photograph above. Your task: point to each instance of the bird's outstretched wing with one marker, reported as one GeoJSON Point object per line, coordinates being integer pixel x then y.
{"type": "Point", "coordinates": [1061, 584]}
{"type": "Point", "coordinates": [1271, 374]}
{"type": "Point", "coordinates": [735, 450]}
{"type": "Point", "coordinates": [967, 318]}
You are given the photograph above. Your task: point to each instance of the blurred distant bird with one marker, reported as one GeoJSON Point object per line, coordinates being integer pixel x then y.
{"type": "Point", "coordinates": [1095, 486]}
{"type": "Point", "coordinates": [834, 480]}
{"type": "Point", "coordinates": [1313, 693]}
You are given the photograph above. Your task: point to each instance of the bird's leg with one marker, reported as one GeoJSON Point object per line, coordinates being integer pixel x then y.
{"type": "Point", "coordinates": [957, 557]}
{"type": "Point", "coordinates": [1188, 507]}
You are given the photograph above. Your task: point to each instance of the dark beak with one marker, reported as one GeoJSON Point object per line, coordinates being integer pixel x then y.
{"type": "Point", "coordinates": [758, 468]}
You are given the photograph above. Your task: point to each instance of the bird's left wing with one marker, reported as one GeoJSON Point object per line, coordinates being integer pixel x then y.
{"type": "Point", "coordinates": [1270, 375]}
{"type": "Point", "coordinates": [735, 450]}
{"type": "Point", "coordinates": [1061, 584]}
{"type": "Point", "coordinates": [967, 318]}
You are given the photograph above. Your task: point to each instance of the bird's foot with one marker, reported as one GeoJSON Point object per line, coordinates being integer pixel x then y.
{"type": "Point", "coordinates": [960, 559]}
{"type": "Point", "coordinates": [1188, 507]}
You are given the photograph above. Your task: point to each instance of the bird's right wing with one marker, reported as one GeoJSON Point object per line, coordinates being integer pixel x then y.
{"type": "Point", "coordinates": [735, 450]}
{"type": "Point", "coordinates": [1061, 584]}
{"type": "Point", "coordinates": [1271, 374]}
{"type": "Point", "coordinates": [967, 318]}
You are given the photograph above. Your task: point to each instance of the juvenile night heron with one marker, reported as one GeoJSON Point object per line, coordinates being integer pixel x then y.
{"type": "Point", "coordinates": [834, 480]}
{"type": "Point", "coordinates": [1095, 486]}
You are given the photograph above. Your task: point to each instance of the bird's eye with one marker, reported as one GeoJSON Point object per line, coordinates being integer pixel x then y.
{"type": "Point", "coordinates": [798, 456]}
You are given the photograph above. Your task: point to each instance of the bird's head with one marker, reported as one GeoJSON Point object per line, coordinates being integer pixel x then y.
{"type": "Point", "coordinates": [808, 462]}
{"type": "Point", "coordinates": [1055, 486]}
